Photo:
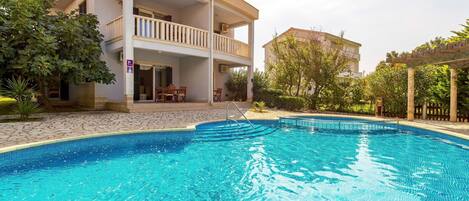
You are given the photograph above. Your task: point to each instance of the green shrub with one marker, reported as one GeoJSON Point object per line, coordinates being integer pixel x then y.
{"type": "Point", "coordinates": [291, 103]}
{"type": "Point", "coordinates": [237, 85]}
{"type": "Point", "coordinates": [259, 106]}
{"type": "Point", "coordinates": [22, 91]}
{"type": "Point", "coordinates": [25, 108]}
{"type": "Point", "coordinates": [269, 96]}
{"type": "Point", "coordinates": [260, 82]}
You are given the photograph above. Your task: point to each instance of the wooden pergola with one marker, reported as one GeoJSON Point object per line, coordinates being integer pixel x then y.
{"type": "Point", "coordinates": [455, 55]}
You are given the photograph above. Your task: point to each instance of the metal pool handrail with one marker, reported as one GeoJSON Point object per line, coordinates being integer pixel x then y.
{"type": "Point", "coordinates": [239, 110]}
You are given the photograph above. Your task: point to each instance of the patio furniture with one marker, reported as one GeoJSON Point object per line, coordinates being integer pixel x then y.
{"type": "Point", "coordinates": [181, 93]}
{"type": "Point", "coordinates": [166, 93]}
{"type": "Point", "coordinates": [217, 94]}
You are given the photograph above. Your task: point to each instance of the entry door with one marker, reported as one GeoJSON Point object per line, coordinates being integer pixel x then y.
{"type": "Point", "coordinates": [136, 82]}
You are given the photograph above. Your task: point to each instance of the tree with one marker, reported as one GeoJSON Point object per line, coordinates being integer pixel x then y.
{"type": "Point", "coordinates": [260, 82]}
{"type": "Point", "coordinates": [40, 47]}
{"type": "Point", "coordinates": [391, 85]}
{"type": "Point", "coordinates": [438, 41]}
{"type": "Point", "coordinates": [462, 34]}
{"type": "Point", "coordinates": [289, 68]}
{"type": "Point", "coordinates": [324, 64]}
{"type": "Point", "coordinates": [301, 66]}
{"type": "Point", "coordinates": [237, 84]}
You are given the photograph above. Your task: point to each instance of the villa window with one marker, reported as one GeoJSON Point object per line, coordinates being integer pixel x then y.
{"type": "Point", "coordinates": [82, 8]}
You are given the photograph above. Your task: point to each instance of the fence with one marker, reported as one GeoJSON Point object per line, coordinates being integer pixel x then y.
{"type": "Point", "coordinates": [434, 111]}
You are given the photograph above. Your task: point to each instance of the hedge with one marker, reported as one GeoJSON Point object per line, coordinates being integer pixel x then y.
{"type": "Point", "coordinates": [269, 96]}
{"type": "Point", "coordinates": [291, 103]}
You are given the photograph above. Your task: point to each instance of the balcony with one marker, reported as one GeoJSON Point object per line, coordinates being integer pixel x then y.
{"type": "Point", "coordinates": [176, 34]}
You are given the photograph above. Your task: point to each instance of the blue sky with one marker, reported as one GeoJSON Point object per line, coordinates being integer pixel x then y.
{"type": "Point", "coordinates": [379, 25]}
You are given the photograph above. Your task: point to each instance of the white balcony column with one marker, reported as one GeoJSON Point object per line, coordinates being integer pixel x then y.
{"type": "Point", "coordinates": [210, 47]}
{"type": "Point", "coordinates": [128, 49]}
{"type": "Point", "coordinates": [453, 108]}
{"type": "Point", "coordinates": [251, 40]}
{"type": "Point", "coordinates": [250, 73]}
{"type": "Point", "coordinates": [250, 76]}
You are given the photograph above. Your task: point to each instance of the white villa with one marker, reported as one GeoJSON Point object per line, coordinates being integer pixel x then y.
{"type": "Point", "coordinates": [149, 45]}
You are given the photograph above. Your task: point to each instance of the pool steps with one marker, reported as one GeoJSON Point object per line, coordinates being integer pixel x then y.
{"type": "Point", "coordinates": [232, 131]}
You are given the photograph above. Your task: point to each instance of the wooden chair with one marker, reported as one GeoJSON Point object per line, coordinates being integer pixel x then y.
{"type": "Point", "coordinates": [217, 94]}
{"type": "Point", "coordinates": [181, 93]}
{"type": "Point", "coordinates": [159, 94]}
{"type": "Point", "coordinates": [169, 92]}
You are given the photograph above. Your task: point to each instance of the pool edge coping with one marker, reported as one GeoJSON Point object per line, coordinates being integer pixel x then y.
{"type": "Point", "coordinates": [396, 121]}
{"type": "Point", "coordinates": [192, 127]}
{"type": "Point", "coordinates": [89, 136]}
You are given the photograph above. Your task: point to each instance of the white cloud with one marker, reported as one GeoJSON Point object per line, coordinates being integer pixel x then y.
{"type": "Point", "coordinates": [379, 25]}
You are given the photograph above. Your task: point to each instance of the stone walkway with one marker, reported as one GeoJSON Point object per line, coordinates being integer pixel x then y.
{"type": "Point", "coordinates": [62, 125]}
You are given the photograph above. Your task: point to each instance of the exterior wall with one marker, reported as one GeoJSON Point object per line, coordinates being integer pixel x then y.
{"type": "Point", "coordinates": [107, 10]}
{"type": "Point", "coordinates": [220, 79]}
{"type": "Point", "coordinates": [73, 6]}
{"type": "Point", "coordinates": [196, 16]}
{"type": "Point", "coordinates": [194, 75]}
{"type": "Point", "coordinates": [95, 95]}
{"type": "Point", "coordinates": [113, 92]}
{"type": "Point", "coordinates": [160, 8]}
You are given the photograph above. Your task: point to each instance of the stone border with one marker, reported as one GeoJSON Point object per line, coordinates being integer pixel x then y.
{"type": "Point", "coordinates": [89, 136]}
{"type": "Point", "coordinates": [193, 126]}
{"type": "Point", "coordinates": [403, 122]}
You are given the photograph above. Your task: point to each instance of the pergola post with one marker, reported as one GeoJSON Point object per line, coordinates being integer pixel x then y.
{"type": "Point", "coordinates": [410, 93]}
{"type": "Point", "coordinates": [453, 108]}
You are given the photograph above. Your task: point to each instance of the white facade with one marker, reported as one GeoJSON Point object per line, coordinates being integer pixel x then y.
{"type": "Point", "coordinates": [187, 40]}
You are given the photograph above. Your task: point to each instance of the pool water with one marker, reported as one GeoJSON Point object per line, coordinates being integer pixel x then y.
{"type": "Point", "coordinates": [269, 160]}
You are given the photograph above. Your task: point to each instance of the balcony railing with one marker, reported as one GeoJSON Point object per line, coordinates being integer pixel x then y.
{"type": "Point", "coordinates": [114, 29]}
{"type": "Point", "coordinates": [230, 46]}
{"type": "Point", "coordinates": [161, 30]}
{"type": "Point", "coordinates": [174, 33]}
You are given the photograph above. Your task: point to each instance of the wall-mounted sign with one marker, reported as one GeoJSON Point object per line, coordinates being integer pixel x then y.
{"type": "Point", "coordinates": [130, 66]}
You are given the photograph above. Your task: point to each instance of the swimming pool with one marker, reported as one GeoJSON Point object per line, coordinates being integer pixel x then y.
{"type": "Point", "coordinates": [302, 158]}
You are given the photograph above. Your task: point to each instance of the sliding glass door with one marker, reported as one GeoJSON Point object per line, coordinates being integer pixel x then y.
{"type": "Point", "coordinates": [148, 80]}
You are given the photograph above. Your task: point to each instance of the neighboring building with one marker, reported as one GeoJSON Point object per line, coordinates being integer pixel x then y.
{"type": "Point", "coordinates": [351, 48]}
{"type": "Point", "coordinates": [150, 44]}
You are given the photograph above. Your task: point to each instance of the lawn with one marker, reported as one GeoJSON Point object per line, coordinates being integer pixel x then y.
{"type": "Point", "coordinates": [6, 105]}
